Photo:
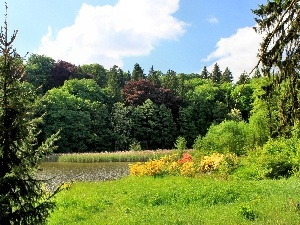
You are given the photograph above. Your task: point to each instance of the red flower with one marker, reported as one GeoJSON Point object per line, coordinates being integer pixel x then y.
{"type": "Point", "coordinates": [186, 157]}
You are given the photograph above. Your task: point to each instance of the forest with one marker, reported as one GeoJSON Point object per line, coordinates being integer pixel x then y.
{"type": "Point", "coordinates": [99, 110]}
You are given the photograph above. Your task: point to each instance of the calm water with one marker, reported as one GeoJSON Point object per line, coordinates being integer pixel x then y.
{"type": "Point", "coordinates": [56, 173]}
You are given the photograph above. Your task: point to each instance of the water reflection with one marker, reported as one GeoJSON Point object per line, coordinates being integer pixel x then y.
{"type": "Point", "coordinates": [56, 173]}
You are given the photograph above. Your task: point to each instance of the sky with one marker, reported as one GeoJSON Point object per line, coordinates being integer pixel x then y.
{"type": "Point", "coordinates": [181, 35]}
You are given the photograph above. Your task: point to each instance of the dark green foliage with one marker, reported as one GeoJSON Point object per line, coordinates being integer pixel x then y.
{"type": "Point", "coordinates": [166, 127]}
{"type": "Point", "coordinates": [38, 70]}
{"type": "Point", "coordinates": [154, 76]}
{"type": "Point", "coordinates": [248, 213]}
{"type": "Point", "coordinates": [186, 124]}
{"type": "Point", "coordinates": [216, 74]}
{"type": "Point", "coordinates": [77, 109]}
{"type": "Point", "coordinates": [170, 81]}
{"type": "Point", "coordinates": [116, 81]}
{"type": "Point", "coordinates": [97, 72]}
{"type": "Point", "coordinates": [204, 74]}
{"type": "Point", "coordinates": [137, 73]}
{"type": "Point", "coordinates": [22, 197]}
{"type": "Point", "coordinates": [208, 103]}
{"type": "Point", "coordinates": [226, 76]}
{"type": "Point", "coordinates": [121, 125]}
{"type": "Point", "coordinates": [243, 79]}
{"type": "Point", "coordinates": [153, 126]}
{"type": "Point", "coordinates": [244, 95]}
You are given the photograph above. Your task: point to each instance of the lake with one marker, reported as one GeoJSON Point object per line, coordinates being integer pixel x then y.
{"type": "Point", "coordinates": [58, 172]}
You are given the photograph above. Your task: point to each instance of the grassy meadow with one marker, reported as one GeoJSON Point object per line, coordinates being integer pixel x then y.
{"type": "Point", "coordinates": [179, 200]}
{"type": "Point", "coordinates": [192, 187]}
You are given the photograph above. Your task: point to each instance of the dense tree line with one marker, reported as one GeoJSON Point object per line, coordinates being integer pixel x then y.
{"type": "Point", "coordinates": [98, 109]}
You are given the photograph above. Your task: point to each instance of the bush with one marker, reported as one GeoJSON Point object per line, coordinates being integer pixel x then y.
{"type": "Point", "coordinates": [180, 144]}
{"type": "Point", "coordinates": [228, 136]}
{"type": "Point", "coordinates": [135, 146]}
{"type": "Point", "coordinates": [280, 158]}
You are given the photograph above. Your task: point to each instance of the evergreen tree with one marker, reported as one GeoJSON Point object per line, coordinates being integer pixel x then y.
{"type": "Point", "coordinates": [137, 73]}
{"type": "Point", "coordinates": [227, 76]}
{"type": "Point", "coordinates": [22, 198]}
{"type": "Point", "coordinates": [204, 74]}
{"type": "Point", "coordinates": [115, 83]}
{"type": "Point", "coordinates": [278, 21]}
{"type": "Point", "coordinates": [243, 79]}
{"type": "Point", "coordinates": [170, 81]}
{"type": "Point", "coordinates": [216, 74]}
{"type": "Point", "coordinates": [166, 128]}
{"type": "Point", "coordinates": [153, 76]}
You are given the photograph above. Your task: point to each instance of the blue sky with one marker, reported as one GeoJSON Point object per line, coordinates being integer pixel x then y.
{"type": "Point", "coordinates": [182, 35]}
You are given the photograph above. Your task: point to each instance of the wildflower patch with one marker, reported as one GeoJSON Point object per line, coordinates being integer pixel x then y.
{"type": "Point", "coordinates": [186, 165]}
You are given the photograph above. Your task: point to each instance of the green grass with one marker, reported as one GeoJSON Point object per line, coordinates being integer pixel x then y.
{"type": "Point", "coordinates": [179, 200]}
{"type": "Point", "coordinates": [126, 156]}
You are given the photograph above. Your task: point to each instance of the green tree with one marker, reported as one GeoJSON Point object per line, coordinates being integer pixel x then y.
{"type": "Point", "coordinates": [166, 128]}
{"type": "Point", "coordinates": [115, 83]}
{"type": "Point", "coordinates": [22, 198]}
{"type": "Point", "coordinates": [204, 74]}
{"type": "Point", "coordinates": [208, 103]}
{"type": "Point", "coordinates": [170, 81]}
{"type": "Point", "coordinates": [38, 70]}
{"type": "Point", "coordinates": [243, 94]}
{"type": "Point", "coordinates": [154, 76]}
{"type": "Point", "coordinates": [243, 79]}
{"type": "Point", "coordinates": [279, 57]}
{"type": "Point", "coordinates": [121, 125]}
{"type": "Point", "coordinates": [226, 76]}
{"type": "Point", "coordinates": [216, 74]}
{"type": "Point", "coordinates": [186, 123]}
{"type": "Point", "coordinates": [98, 72]}
{"type": "Point", "coordinates": [138, 72]}
{"type": "Point", "coordinates": [78, 110]}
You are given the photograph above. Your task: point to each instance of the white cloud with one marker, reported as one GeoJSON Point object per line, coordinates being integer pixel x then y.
{"type": "Point", "coordinates": [237, 52]}
{"type": "Point", "coordinates": [213, 19]}
{"type": "Point", "coordinates": [106, 34]}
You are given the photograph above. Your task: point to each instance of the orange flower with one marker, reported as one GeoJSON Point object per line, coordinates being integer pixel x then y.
{"type": "Point", "coordinates": [186, 157]}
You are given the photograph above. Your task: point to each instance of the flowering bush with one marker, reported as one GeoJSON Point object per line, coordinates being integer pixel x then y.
{"type": "Point", "coordinates": [211, 163]}
{"type": "Point", "coordinates": [184, 166]}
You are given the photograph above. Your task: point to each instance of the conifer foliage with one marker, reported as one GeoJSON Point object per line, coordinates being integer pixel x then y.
{"type": "Point", "coordinates": [279, 22]}
{"type": "Point", "coordinates": [22, 198]}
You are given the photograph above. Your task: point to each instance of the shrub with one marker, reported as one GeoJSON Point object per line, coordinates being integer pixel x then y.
{"type": "Point", "coordinates": [228, 164]}
{"type": "Point", "coordinates": [228, 136]}
{"type": "Point", "coordinates": [185, 166]}
{"type": "Point", "coordinates": [280, 158]}
{"type": "Point", "coordinates": [211, 163]}
{"type": "Point", "coordinates": [135, 146]}
{"type": "Point", "coordinates": [198, 143]}
{"type": "Point", "coordinates": [180, 144]}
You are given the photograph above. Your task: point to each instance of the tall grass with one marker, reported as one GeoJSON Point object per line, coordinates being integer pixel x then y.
{"type": "Point", "coordinates": [179, 200]}
{"type": "Point", "coordinates": [126, 156]}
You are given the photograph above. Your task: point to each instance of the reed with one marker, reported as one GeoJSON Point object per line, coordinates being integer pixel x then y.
{"type": "Point", "coordinates": [125, 156]}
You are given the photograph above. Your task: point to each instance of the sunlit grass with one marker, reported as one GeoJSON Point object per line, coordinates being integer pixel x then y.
{"type": "Point", "coordinates": [179, 200]}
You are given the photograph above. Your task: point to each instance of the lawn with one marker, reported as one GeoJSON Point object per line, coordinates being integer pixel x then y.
{"type": "Point", "coordinates": [179, 200]}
